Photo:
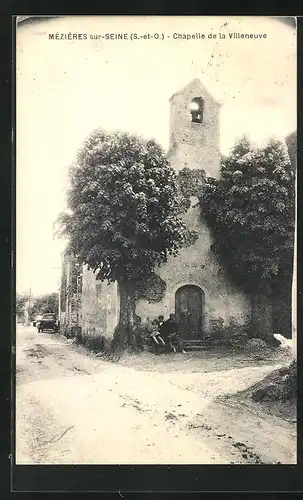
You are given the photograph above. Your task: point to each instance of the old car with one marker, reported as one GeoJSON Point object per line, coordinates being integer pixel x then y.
{"type": "Point", "coordinates": [48, 321]}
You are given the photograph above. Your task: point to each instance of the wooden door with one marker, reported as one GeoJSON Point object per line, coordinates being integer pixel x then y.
{"type": "Point", "coordinates": [189, 311]}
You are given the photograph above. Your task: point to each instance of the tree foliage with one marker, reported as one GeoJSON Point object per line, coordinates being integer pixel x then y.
{"type": "Point", "coordinates": [48, 303]}
{"type": "Point", "coordinates": [250, 210]}
{"type": "Point", "coordinates": [190, 183]}
{"type": "Point", "coordinates": [21, 302]}
{"type": "Point", "coordinates": [124, 211]}
{"type": "Point", "coordinates": [151, 288]}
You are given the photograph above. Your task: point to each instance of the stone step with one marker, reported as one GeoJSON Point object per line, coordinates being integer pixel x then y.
{"type": "Point", "coordinates": [195, 342]}
{"type": "Point", "coordinates": [191, 348]}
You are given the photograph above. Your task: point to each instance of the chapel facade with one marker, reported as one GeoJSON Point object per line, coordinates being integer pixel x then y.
{"type": "Point", "coordinates": [197, 290]}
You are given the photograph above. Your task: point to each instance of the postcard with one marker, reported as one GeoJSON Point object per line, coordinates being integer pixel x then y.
{"type": "Point", "coordinates": [155, 240]}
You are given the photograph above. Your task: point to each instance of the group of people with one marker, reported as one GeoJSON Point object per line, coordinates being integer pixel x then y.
{"type": "Point", "coordinates": [162, 334]}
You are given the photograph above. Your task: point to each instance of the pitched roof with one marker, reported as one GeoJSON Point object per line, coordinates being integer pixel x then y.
{"type": "Point", "coordinates": [196, 85]}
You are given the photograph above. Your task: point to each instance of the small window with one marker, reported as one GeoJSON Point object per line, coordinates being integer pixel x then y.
{"type": "Point", "coordinates": [196, 110]}
{"type": "Point", "coordinates": [79, 283]}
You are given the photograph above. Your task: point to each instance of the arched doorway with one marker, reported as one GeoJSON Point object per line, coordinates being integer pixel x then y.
{"type": "Point", "coordinates": [189, 307]}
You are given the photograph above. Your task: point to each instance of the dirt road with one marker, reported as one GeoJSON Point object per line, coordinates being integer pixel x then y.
{"type": "Point", "coordinates": [75, 408]}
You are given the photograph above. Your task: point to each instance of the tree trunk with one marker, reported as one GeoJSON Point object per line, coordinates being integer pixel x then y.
{"type": "Point", "coordinates": [127, 309]}
{"type": "Point", "coordinates": [262, 316]}
{"type": "Point", "coordinates": [282, 311]}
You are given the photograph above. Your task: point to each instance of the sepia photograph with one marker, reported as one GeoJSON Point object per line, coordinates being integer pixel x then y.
{"type": "Point", "coordinates": [155, 311]}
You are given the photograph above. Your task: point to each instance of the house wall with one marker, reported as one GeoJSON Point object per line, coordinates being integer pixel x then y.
{"type": "Point", "coordinates": [100, 306]}
{"type": "Point", "coordinates": [70, 298]}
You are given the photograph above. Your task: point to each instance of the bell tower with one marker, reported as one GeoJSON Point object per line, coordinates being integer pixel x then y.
{"type": "Point", "coordinates": [196, 288]}
{"type": "Point", "coordinates": [195, 129]}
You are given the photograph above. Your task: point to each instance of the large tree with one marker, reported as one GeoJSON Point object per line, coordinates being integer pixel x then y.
{"type": "Point", "coordinates": [48, 303]}
{"type": "Point", "coordinates": [21, 304]}
{"type": "Point", "coordinates": [124, 214]}
{"type": "Point", "coordinates": [250, 210]}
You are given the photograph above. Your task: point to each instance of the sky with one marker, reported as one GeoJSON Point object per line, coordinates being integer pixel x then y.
{"type": "Point", "coordinates": [67, 88]}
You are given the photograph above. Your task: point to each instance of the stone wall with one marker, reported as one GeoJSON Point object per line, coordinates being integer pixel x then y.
{"type": "Point", "coordinates": [197, 265]}
{"type": "Point", "coordinates": [194, 145]}
{"type": "Point", "coordinates": [70, 296]}
{"type": "Point", "coordinates": [100, 306]}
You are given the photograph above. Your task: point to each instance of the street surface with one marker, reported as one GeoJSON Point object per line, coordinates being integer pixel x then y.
{"type": "Point", "coordinates": [73, 407]}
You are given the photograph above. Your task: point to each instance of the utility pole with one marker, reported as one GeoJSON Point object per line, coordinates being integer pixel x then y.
{"type": "Point", "coordinates": [59, 291]}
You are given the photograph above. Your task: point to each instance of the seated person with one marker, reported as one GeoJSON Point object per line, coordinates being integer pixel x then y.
{"type": "Point", "coordinates": [159, 321]}
{"type": "Point", "coordinates": [177, 343]}
{"type": "Point", "coordinates": [168, 332]}
{"type": "Point", "coordinates": [156, 335]}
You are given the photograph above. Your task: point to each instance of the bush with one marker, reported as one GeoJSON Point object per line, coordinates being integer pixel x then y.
{"type": "Point", "coordinates": [281, 385]}
{"type": "Point", "coordinates": [257, 347]}
{"type": "Point", "coordinates": [92, 340]}
{"type": "Point", "coordinates": [230, 333]}
{"type": "Point", "coordinates": [71, 331]}
{"type": "Point", "coordinates": [141, 336]}
{"type": "Point", "coordinates": [95, 344]}
{"type": "Point", "coordinates": [256, 344]}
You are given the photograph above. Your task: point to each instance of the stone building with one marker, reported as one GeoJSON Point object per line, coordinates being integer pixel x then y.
{"type": "Point", "coordinates": [100, 306]}
{"type": "Point", "coordinates": [87, 305]}
{"type": "Point", "coordinates": [197, 290]}
{"type": "Point", "coordinates": [70, 303]}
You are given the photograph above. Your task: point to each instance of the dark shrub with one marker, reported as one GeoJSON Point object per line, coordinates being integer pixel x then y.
{"type": "Point", "coordinates": [230, 333]}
